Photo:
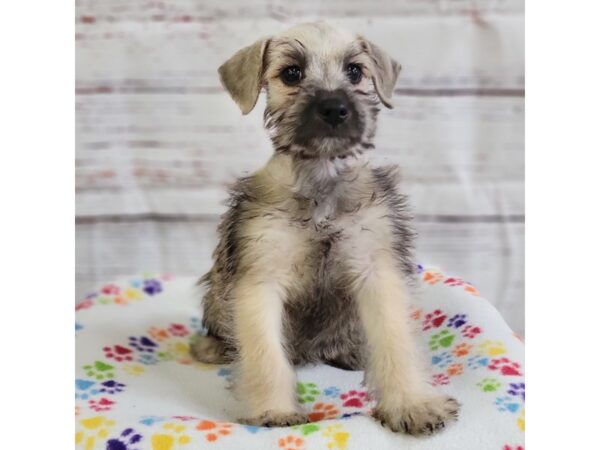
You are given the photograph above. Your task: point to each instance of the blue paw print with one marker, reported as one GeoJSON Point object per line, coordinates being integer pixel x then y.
{"type": "Point", "coordinates": [149, 359]}
{"type": "Point", "coordinates": [85, 389]}
{"type": "Point", "coordinates": [112, 387]}
{"type": "Point", "coordinates": [127, 439]}
{"type": "Point", "coordinates": [517, 389]}
{"type": "Point", "coordinates": [151, 420]}
{"type": "Point", "coordinates": [332, 391]}
{"type": "Point", "coordinates": [457, 321]}
{"type": "Point", "coordinates": [152, 287]}
{"type": "Point", "coordinates": [225, 372]}
{"type": "Point", "coordinates": [78, 327]}
{"type": "Point", "coordinates": [254, 429]}
{"type": "Point", "coordinates": [442, 360]}
{"type": "Point", "coordinates": [507, 403]}
{"type": "Point", "coordinates": [136, 283]}
{"type": "Point", "coordinates": [196, 324]}
{"type": "Point", "coordinates": [477, 361]}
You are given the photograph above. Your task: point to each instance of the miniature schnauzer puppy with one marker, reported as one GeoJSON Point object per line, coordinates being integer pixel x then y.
{"type": "Point", "coordinates": [314, 258]}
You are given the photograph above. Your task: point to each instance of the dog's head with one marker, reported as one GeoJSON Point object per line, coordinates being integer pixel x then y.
{"type": "Point", "coordinates": [323, 85]}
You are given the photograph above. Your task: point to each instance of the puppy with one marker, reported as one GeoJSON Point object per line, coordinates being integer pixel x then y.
{"type": "Point", "coordinates": [314, 258]}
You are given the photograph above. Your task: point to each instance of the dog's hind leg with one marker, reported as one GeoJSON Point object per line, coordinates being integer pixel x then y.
{"type": "Point", "coordinates": [211, 350]}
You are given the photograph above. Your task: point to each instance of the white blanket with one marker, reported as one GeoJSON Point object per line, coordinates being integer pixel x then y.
{"type": "Point", "coordinates": [137, 387]}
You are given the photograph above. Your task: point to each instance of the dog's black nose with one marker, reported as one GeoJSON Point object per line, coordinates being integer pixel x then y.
{"type": "Point", "coordinates": [333, 110]}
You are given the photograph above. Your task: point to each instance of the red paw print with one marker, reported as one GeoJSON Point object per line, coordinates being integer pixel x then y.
{"type": "Point", "coordinates": [103, 404]}
{"type": "Point", "coordinates": [454, 281]}
{"type": "Point", "coordinates": [505, 366]}
{"type": "Point", "coordinates": [510, 447]}
{"type": "Point", "coordinates": [118, 353]}
{"type": "Point", "coordinates": [440, 379]}
{"type": "Point", "coordinates": [434, 319]}
{"type": "Point", "coordinates": [177, 329]}
{"type": "Point", "coordinates": [356, 399]}
{"type": "Point", "coordinates": [470, 331]}
{"type": "Point", "coordinates": [111, 289]}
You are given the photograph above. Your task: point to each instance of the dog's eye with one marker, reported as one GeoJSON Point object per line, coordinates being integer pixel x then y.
{"type": "Point", "coordinates": [354, 73]}
{"type": "Point", "coordinates": [291, 75]}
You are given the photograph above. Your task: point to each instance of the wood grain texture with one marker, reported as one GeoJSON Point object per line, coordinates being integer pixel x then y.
{"type": "Point", "coordinates": [158, 140]}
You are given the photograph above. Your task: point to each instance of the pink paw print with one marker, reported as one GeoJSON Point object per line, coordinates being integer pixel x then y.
{"type": "Point", "coordinates": [470, 331]}
{"type": "Point", "coordinates": [440, 379]}
{"type": "Point", "coordinates": [505, 366]}
{"type": "Point", "coordinates": [103, 404]}
{"type": "Point", "coordinates": [356, 399]}
{"type": "Point", "coordinates": [177, 329]}
{"type": "Point", "coordinates": [111, 289]}
{"type": "Point", "coordinates": [434, 319]}
{"type": "Point", "coordinates": [454, 281]}
{"type": "Point", "coordinates": [510, 447]}
{"type": "Point", "coordinates": [87, 303]}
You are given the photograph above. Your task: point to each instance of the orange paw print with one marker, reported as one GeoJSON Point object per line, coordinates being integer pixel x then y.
{"type": "Point", "coordinates": [432, 277]}
{"type": "Point", "coordinates": [455, 369]}
{"type": "Point", "coordinates": [416, 314]}
{"type": "Point", "coordinates": [471, 290]}
{"type": "Point", "coordinates": [159, 334]}
{"type": "Point", "coordinates": [291, 442]}
{"type": "Point", "coordinates": [214, 430]}
{"type": "Point", "coordinates": [462, 349]}
{"type": "Point", "coordinates": [323, 411]}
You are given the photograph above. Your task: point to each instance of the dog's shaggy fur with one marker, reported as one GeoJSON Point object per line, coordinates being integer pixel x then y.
{"type": "Point", "coordinates": [314, 259]}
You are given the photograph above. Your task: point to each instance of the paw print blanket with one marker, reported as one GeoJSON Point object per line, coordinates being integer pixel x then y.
{"type": "Point", "coordinates": [137, 388]}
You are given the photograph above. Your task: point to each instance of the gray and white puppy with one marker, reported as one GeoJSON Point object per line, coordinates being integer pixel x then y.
{"type": "Point", "coordinates": [314, 259]}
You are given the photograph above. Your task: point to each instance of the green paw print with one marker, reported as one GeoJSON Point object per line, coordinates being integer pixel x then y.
{"type": "Point", "coordinates": [99, 370]}
{"type": "Point", "coordinates": [443, 339]}
{"type": "Point", "coordinates": [307, 428]}
{"type": "Point", "coordinates": [307, 392]}
{"type": "Point", "coordinates": [489, 385]}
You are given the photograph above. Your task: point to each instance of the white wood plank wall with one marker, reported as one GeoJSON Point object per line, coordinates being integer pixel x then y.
{"type": "Point", "coordinates": [158, 139]}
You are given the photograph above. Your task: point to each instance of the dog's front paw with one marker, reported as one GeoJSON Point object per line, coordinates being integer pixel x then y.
{"type": "Point", "coordinates": [423, 417]}
{"type": "Point", "coordinates": [277, 419]}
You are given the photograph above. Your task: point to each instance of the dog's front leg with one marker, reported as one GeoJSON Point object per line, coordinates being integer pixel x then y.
{"type": "Point", "coordinates": [266, 381]}
{"type": "Point", "coordinates": [405, 402]}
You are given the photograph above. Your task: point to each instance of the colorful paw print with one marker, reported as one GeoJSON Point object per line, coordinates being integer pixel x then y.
{"type": "Point", "coordinates": [355, 399]}
{"type": "Point", "coordinates": [462, 349]}
{"type": "Point", "coordinates": [126, 440]}
{"type": "Point", "coordinates": [171, 437]}
{"type": "Point", "coordinates": [443, 339]}
{"type": "Point", "coordinates": [196, 324]}
{"type": "Point", "coordinates": [133, 294]}
{"type": "Point", "coordinates": [452, 281]}
{"type": "Point", "coordinates": [416, 313]}
{"type": "Point", "coordinates": [457, 321]}
{"type": "Point", "coordinates": [440, 379]}
{"type": "Point", "coordinates": [307, 428]}
{"type": "Point", "coordinates": [492, 348]}
{"type": "Point", "coordinates": [470, 331]}
{"type": "Point", "coordinates": [517, 389]}
{"type": "Point", "coordinates": [489, 384]}
{"type": "Point", "coordinates": [338, 437]}
{"type": "Point", "coordinates": [434, 319]}
{"type": "Point", "coordinates": [332, 391]}
{"type": "Point", "coordinates": [506, 367]}
{"type": "Point", "coordinates": [213, 430]}
{"type": "Point", "coordinates": [111, 289]}
{"type": "Point", "coordinates": [143, 344]}
{"type": "Point", "coordinates": [432, 277]}
{"type": "Point", "coordinates": [134, 369]}
{"type": "Point", "coordinates": [99, 370]}
{"type": "Point", "coordinates": [179, 330]}
{"type": "Point", "coordinates": [291, 442]}
{"type": "Point", "coordinates": [455, 370]}
{"type": "Point", "coordinates": [478, 361]}
{"type": "Point", "coordinates": [307, 392]}
{"type": "Point", "coordinates": [118, 353]}
{"type": "Point", "coordinates": [521, 420]}
{"type": "Point", "coordinates": [159, 334]}
{"type": "Point", "coordinates": [511, 447]}
{"type": "Point", "coordinates": [507, 403]}
{"type": "Point", "coordinates": [323, 411]}
{"type": "Point", "coordinates": [152, 287]}
{"type": "Point", "coordinates": [94, 430]}
{"type": "Point", "coordinates": [84, 389]}
{"type": "Point", "coordinates": [112, 387]}
{"type": "Point", "coordinates": [102, 404]}
{"type": "Point", "coordinates": [149, 359]}
{"type": "Point", "coordinates": [442, 360]}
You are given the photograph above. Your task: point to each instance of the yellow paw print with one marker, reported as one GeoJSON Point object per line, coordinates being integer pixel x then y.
{"type": "Point", "coordinates": [133, 294]}
{"type": "Point", "coordinates": [94, 428]}
{"type": "Point", "coordinates": [338, 437]}
{"type": "Point", "coordinates": [134, 369]}
{"type": "Point", "coordinates": [173, 437]}
{"type": "Point", "coordinates": [492, 348]}
{"type": "Point", "coordinates": [521, 420]}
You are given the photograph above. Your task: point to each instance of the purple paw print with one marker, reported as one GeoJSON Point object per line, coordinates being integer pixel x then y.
{"type": "Point", "coordinates": [457, 320]}
{"type": "Point", "coordinates": [126, 441]}
{"type": "Point", "coordinates": [143, 344]}
{"type": "Point", "coordinates": [152, 287]}
{"type": "Point", "coordinates": [112, 387]}
{"type": "Point", "coordinates": [517, 389]}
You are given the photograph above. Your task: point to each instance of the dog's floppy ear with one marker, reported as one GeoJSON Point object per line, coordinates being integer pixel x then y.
{"type": "Point", "coordinates": [384, 70]}
{"type": "Point", "coordinates": [242, 74]}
